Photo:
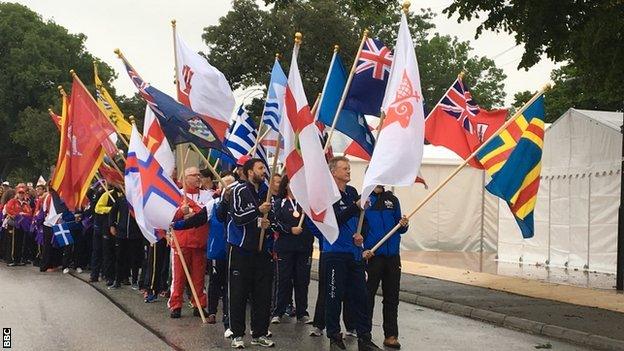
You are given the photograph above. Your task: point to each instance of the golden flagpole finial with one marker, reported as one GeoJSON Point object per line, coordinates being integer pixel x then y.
{"type": "Point", "coordinates": [277, 55]}
{"type": "Point", "coordinates": [173, 22]}
{"type": "Point", "coordinates": [298, 37]}
{"type": "Point", "coordinates": [546, 87]}
{"type": "Point", "coordinates": [50, 110]}
{"type": "Point", "coordinates": [131, 118]}
{"type": "Point", "coordinates": [461, 75]}
{"type": "Point", "coordinates": [118, 52]}
{"type": "Point", "coordinates": [365, 33]}
{"type": "Point", "coordinates": [406, 5]}
{"type": "Point", "coordinates": [336, 48]}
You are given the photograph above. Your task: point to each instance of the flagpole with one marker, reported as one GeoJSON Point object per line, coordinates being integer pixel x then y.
{"type": "Point", "coordinates": [461, 166]}
{"type": "Point", "coordinates": [210, 167]}
{"type": "Point", "coordinates": [255, 147]}
{"type": "Point", "coordinates": [345, 91]}
{"type": "Point", "coordinates": [75, 76]}
{"type": "Point", "coordinates": [268, 196]}
{"type": "Point", "coordinates": [113, 117]}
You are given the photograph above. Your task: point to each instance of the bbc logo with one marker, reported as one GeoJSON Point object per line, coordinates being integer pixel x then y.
{"type": "Point", "coordinates": [6, 338]}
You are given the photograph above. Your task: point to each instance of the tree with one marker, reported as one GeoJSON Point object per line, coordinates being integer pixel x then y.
{"type": "Point", "coordinates": [587, 35]}
{"type": "Point", "coordinates": [35, 56]}
{"type": "Point", "coordinates": [243, 44]}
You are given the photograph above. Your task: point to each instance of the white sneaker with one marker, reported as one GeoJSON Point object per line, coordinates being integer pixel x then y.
{"type": "Point", "coordinates": [79, 270]}
{"type": "Point", "coordinates": [66, 270]}
{"type": "Point", "coordinates": [262, 341]}
{"type": "Point", "coordinates": [305, 320]}
{"type": "Point", "coordinates": [352, 333]}
{"type": "Point", "coordinates": [269, 334]}
{"type": "Point", "coordinates": [238, 343]}
{"type": "Point", "coordinates": [228, 333]}
{"type": "Point", "coordinates": [276, 320]}
{"type": "Point", "coordinates": [316, 332]}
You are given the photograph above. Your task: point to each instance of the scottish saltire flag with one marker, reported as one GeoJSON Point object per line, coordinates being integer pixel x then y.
{"type": "Point", "coordinates": [179, 123]}
{"type": "Point", "coordinates": [513, 160]}
{"type": "Point", "coordinates": [62, 235]}
{"type": "Point", "coordinates": [370, 79]}
{"type": "Point", "coordinates": [273, 106]}
{"type": "Point", "coordinates": [150, 192]}
{"type": "Point", "coordinates": [350, 123]}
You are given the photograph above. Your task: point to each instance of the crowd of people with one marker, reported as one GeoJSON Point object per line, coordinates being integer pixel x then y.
{"type": "Point", "coordinates": [254, 252]}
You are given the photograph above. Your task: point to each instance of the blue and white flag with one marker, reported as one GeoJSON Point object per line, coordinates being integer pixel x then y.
{"type": "Point", "coordinates": [276, 89]}
{"type": "Point", "coordinates": [62, 235]}
{"type": "Point", "coordinates": [243, 136]}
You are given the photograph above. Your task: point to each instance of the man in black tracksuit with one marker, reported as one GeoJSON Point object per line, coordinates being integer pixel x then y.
{"type": "Point", "coordinates": [385, 266]}
{"type": "Point", "coordinates": [128, 244]}
{"type": "Point", "coordinates": [250, 269]}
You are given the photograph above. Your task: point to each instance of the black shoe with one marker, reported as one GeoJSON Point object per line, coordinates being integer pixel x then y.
{"type": "Point", "coordinates": [115, 285]}
{"type": "Point", "coordinates": [12, 264]}
{"type": "Point", "coordinates": [93, 280]}
{"type": "Point", "coordinates": [126, 282]}
{"type": "Point", "coordinates": [366, 344]}
{"type": "Point", "coordinates": [196, 312]}
{"type": "Point", "coordinates": [176, 313]}
{"type": "Point", "coordinates": [336, 342]}
{"type": "Point", "coordinates": [110, 282]}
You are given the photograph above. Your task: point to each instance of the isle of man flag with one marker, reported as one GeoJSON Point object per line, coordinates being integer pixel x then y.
{"type": "Point", "coordinates": [310, 180]}
{"type": "Point", "coordinates": [399, 149]}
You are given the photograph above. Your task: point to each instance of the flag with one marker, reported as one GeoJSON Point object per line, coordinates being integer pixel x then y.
{"type": "Point", "coordinates": [398, 153]}
{"type": "Point", "coordinates": [179, 123]}
{"type": "Point", "coordinates": [156, 142]}
{"type": "Point", "coordinates": [151, 194]}
{"type": "Point", "coordinates": [513, 160]}
{"type": "Point", "coordinates": [459, 124]}
{"type": "Point", "coordinates": [109, 173]}
{"type": "Point", "coordinates": [54, 207]}
{"type": "Point", "coordinates": [350, 123]}
{"type": "Point", "coordinates": [61, 177]}
{"type": "Point", "coordinates": [370, 79]}
{"type": "Point", "coordinates": [203, 88]}
{"type": "Point", "coordinates": [243, 136]}
{"type": "Point", "coordinates": [87, 132]}
{"type": "Point", "coordinates": [273, 107]}
{"type": "Point", "coordinates": [62, 235]}
{"type": "Point", "coordinates": [310, 180]}
{"type": "Point", "coordinates": [56, 119]}
{"type": "Point", "coordinates": [108, 105]}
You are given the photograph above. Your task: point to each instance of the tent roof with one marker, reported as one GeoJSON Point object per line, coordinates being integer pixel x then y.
{"type": "Point", "coordinates": [609, 119]}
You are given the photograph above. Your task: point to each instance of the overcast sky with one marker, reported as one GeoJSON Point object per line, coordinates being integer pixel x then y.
{"type": "Point", "coordinates": [142, 30]}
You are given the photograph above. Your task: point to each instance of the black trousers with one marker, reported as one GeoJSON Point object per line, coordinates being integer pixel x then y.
{"type": "Point", "coordinates": [108, 255]}
{"type": "Point", "coordinates": [387, 270]}
{"type": "Point", "coordinates": [217, 288]}
{"type": "Point", "coordinates": [250, 273]}
{"type": "Point", "coordinates": [15, 245]}
{"type": "Point", "coordinates": [129, 256]}
{"type": "Point", "coordinates": [97, 249]}
{"type": "Point", "coordinates": [319, 308]}
{"type": "Point", "coordinates": [346, 282]}
{"type": "Point", "coordinates": [29, 247]}
{"type": "Point", "coordinates": [156, 257]}
{"type": "Point", "coordinates": [293, 271]}
{"type": "Point", "coordinates": [51, 256]}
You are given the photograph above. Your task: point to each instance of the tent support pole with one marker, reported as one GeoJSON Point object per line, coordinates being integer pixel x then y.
{"type": "Point", "coordinates": [619, 280]}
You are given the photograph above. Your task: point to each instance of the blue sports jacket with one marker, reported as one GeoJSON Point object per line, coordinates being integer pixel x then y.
{"type": "Point", "coordinates": [347, 214]}
{"type": "Point", "coordinates": [382, 215]}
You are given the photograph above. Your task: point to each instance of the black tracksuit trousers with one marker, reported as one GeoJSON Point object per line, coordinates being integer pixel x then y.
{"type": "Point", "coordinates": [387, 270]}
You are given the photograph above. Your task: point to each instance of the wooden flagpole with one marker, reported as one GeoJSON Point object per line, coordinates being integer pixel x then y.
{"type": "Point", "coordinates": [460, 167]}
{"type": "Point", "coordinates": [268, 196]}
{"type": "Point", "coordinates": [345, 91]}
{"type": "Point", "coordinates": [210, 167]}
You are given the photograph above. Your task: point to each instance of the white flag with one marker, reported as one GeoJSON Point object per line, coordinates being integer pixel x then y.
{"type": "Point", "coordinates": [310, 181]}
{"type": "Point", "coordinates": [398, 152]}
{"type": "Point", "coordinates": [203, 88]}
{"type": "Point", "coordinates": [156, 142]}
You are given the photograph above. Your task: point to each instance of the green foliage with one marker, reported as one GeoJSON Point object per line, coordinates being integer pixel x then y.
{"type": "Point", "coordinates": [133, 106]}
{"type": "Point", "coordinates": [244, 42]}
{"type": "Point", "coordinates": [35, 56]}
{"type": "Point", "coordinates": [587, 35]}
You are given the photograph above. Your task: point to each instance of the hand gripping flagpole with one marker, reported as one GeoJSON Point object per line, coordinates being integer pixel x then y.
{"type": "Point", "coordinates": [461, 166]}
{"type": "Point", "coordinates": [345, 91]}
{"type": "Point", "coordinates": [184, 266]}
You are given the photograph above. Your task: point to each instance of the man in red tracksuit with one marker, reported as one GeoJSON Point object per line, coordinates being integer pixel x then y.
{"type": "Point", "coordinates": [193, 245]}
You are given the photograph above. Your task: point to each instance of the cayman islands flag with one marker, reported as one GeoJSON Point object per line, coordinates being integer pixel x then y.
{"type": "Point", "coordinates": [399, 149]}
{"type": "Point", "coordinates": [513, 160]}
{"type": "Point", "coordinates": [151, 193]}
{"type": "Point", "coordinates": [310, 180]}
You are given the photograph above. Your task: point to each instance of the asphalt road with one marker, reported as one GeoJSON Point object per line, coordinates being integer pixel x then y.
{"type": "Point", "coordinates": [52, 311]}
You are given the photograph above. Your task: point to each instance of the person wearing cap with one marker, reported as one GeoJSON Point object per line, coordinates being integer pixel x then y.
{"type": "Point", "coordinates": [16, 209]}
{"type": "Point", "coordinates": [192, 243]}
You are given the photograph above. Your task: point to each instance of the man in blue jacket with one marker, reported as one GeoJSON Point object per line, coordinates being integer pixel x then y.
{"type": "Point", "coordinates": [384, 265]}
{"type": "Point", "coordinates": [346, 280]}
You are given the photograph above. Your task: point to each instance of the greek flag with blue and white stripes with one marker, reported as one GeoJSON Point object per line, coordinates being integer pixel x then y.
{"type": "Point", "coordinates": [275, 97]}
{"type": "Point", "coordinates": [242, 137]}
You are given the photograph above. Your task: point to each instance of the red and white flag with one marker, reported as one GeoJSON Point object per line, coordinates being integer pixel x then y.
{"type": "Point", "coordinates": [310, 181]}
{"type": "Point", "coordinates": [399, 149]}
{"type": "Point", "coordinates": [203, 88]}
{"type": "Point", "coordinates": [156, 142]}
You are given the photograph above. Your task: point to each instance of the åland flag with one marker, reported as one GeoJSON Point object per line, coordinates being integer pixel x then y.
{"type": "Point", "coordinates": [152, 194]}
{"type": "Point", "coordinates": [513, 160]}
